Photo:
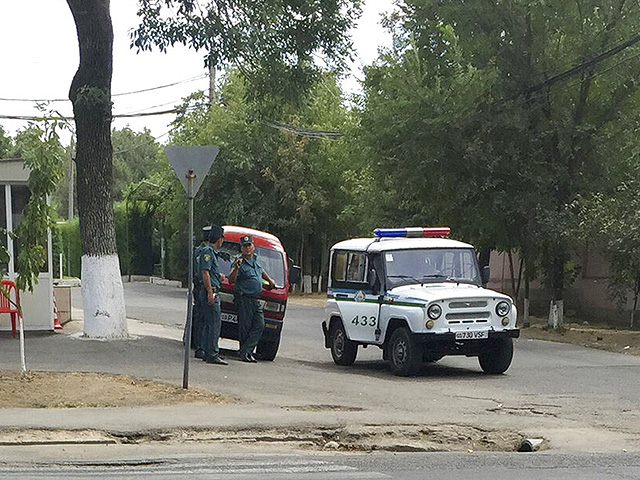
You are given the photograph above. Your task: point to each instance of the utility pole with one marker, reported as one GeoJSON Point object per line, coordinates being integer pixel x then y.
{"type": "Point", "coordinates": [212, 82]}
{"type": "Point", "coordinates": [71, 149]}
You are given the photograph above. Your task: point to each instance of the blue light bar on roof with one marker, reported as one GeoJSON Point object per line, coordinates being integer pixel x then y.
{"type": "Point", "coordinates": [412, 232]}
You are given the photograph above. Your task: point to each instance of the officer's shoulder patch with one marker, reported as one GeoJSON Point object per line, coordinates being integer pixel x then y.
{"type": "Point", "coordinates": [207, 257]}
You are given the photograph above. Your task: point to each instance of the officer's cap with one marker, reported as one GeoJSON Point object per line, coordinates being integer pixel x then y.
{"type": "Point", "coordinates": [206, 231]}
{"type": "Point", "coordinates": [246, 240]}
{"type": "Point", "coordinates": [216, 233]}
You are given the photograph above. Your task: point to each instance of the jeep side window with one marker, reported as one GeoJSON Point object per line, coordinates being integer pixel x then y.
{"type": "Point", "coordinates": [340, 266]}
{"type": "Point", "coordinates": [356, 268]}
{"type": "Point", "coordinates": [350, 268]}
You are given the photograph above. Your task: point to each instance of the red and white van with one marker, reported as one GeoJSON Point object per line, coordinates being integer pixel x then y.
{"type": "Point", "coordinates": [276, 263]}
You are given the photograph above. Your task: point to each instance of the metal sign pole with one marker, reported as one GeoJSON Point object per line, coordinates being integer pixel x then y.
{"type": "Point", "coordinates": [191, 165]}
{"type": "Point", "coordinates": [187, 338]}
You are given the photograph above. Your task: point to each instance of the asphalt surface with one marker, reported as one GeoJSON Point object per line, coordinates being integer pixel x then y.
{"type": "Point", "coordinates": [581, 401]}
{"type": "Point", "coordinates": [432, 466]}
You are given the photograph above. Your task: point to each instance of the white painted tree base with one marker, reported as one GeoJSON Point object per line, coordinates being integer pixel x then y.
{"type": "Point", "coordinates": [103, 298]}
{"type": "Point", "coordinates": [556, 314]}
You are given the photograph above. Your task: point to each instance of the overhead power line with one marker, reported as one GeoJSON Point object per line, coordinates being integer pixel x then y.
{"type": "Point", "coordinates": [304, 132]}
{"type": "Point", "coordinates": [150, 89]}
{"type": "Point", "coordinates": [586, 64]}
{"type": "Point", "coordinates": [121, 115]}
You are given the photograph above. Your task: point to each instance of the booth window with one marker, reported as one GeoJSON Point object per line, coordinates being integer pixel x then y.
{"type": "Point", "coordinates": [19, 197]}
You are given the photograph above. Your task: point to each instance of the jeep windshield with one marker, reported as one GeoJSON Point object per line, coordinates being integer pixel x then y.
{"type": "Point", "coordinates": [431, 265]}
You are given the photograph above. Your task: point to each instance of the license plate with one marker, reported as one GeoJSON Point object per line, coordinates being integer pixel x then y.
{"type": "Point", "coordinates": [472, 335]}
{"type": "Point", "coordinates": [229, 317]}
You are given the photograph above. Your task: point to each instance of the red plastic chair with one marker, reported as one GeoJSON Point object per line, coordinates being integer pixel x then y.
{"type": "Point", "coordinates": [6, 306]}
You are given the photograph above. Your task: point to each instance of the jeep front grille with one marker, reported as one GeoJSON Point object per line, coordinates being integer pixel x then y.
{"type": "Point", "coordinates": [468, 304]}
{"type": "Point", "coordinates": [472, 311]}
{"type": "Point", "coordinates": [467, 315]}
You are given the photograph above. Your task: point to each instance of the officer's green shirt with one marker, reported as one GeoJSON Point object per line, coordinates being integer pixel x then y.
{"type": "Point", "coordinates": [209, 261]}
{"type": "Point", "coordinates": [249, 279]}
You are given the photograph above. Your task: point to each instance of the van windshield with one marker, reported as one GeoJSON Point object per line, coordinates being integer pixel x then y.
{"type": "Point", "coordinates": [272, 261]}
{"type": "Point", "coordinates": [430, 265]}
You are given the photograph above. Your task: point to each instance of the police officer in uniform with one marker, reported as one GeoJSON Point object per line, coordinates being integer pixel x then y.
{"type": "Point", "coordinates": [247, 275]}
{"type": "Point", "coordinates": [196, 318]}
{"type": "Point", "coordinates": [210, 278]}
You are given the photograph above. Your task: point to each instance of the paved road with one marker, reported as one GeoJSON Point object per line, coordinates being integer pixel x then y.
{"type": "Point", "coordinates": [585, 400]}
{"type": "Point", "coordinates": [432, 466]}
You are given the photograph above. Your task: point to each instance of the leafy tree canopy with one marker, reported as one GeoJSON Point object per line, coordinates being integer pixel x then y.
{"type": "Point", "coordinates": [6, 144]}
{"type": "Point", "coordinates": [466, 131]}
{"type": "Point", "coordinates": [134, 158]}
{"type": "Point", "coordinates": [272, 41]}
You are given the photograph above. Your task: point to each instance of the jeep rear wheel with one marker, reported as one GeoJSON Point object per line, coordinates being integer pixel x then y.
{"type": "Point", "coordinates": [497, 357]}
{"type": "Point", "coordinates": [405, 354]}
{"type": "Point", "coordinates": [343, 350]}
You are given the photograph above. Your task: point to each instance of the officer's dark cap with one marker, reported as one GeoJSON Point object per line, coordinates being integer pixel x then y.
{"type": "Point", "coordinates": [246, 240]}
{"type": "Point", "coordinates": [216, 233]}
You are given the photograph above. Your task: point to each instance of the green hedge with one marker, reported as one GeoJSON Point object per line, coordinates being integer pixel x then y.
{"type": "Point", "coordinates": [66, 240]}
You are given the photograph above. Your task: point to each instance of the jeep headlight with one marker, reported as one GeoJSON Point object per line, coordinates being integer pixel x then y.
{"type": "Point", "coordinates": [503, 308]}
{"type": "Point", "coordinates": [434, 311]}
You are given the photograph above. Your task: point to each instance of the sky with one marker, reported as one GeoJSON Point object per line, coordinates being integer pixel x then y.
{"type": "Point", "coordinates": [39, 57]}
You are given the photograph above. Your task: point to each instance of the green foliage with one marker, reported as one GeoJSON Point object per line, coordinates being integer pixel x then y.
{"type": "Point", "coordinates": [69, 244]}
{"type": "Point", "coordinates": [463, 132]}
{"type": "Point", "coordinates": [612, 224]}
{"type": "Point", "coordinates": [6, 144]}
{"type": "Point", "coordinates": [40, 147]}
{"type": "Point", "coordinates": [266, 176]}
{"type": "Point", "coordinates": [273, 40]}
{"type": "Point", "coordinates": [134, 158]}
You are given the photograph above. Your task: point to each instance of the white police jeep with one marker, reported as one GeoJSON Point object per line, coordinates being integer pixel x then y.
{"type": "Point", "coordinates": [418, 299]}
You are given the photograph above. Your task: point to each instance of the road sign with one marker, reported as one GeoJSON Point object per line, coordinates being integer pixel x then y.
{"type": "Point", "coordinates": [197, 160]}
{"type": "Point", "coordinates": [191, 165]}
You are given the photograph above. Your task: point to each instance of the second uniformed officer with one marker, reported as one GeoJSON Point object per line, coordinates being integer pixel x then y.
{"type": "Point", "coordinates": [209, 274]}
{"type": "Point", "coordinates": [247, 275]}
{"type": "Point", "coordinates": [196, 330]}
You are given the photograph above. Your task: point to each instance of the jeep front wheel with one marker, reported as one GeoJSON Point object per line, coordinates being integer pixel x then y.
{"type": "Point", "coordinates": [343, 350]}
{"type": "Point", "coordinates": [497, 357]}
{"type": "Point", "coordinates": [404, 354]}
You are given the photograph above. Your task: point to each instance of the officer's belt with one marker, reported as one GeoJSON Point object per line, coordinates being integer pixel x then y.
{"type": "Point", "coordinates": [248, 296]}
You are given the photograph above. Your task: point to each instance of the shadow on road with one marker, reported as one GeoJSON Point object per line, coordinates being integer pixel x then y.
{"type": "Point", "coordinates": [380, 369]}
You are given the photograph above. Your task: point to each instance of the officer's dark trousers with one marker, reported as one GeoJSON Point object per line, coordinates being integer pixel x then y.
{"type": "Point", "coordinates": [250, 323]}
{"type": "Point", "coordinates": [196, 320]}
{"type": "Point", "coordinates": [211, 323]}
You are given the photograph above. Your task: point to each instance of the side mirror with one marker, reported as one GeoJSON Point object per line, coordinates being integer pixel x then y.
{"type": "Point", "coordinates": [294, 273]}
{"type": "Point", "coordinates": [486, 274]}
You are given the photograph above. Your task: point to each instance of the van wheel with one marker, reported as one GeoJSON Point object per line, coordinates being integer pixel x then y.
{"type": "Point", "coordinates": [343, 350]}
{"type": "Point", "coordinates": [267, 350]}
{"type": "Point", "coordinates": [405, 354]}
{"type": "Point", "coordinates": [497, 356]}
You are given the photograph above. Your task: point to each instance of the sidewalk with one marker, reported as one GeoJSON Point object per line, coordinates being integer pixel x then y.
{"type": "Point", "coordinates": [153, 352]}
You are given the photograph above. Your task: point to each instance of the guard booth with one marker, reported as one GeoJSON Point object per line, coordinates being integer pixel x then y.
{"type": "Point", "coordinates": [37, 306]}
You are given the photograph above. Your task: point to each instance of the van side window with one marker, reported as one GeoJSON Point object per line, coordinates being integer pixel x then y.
{"type": "Point", "coordinates": [350, 267]}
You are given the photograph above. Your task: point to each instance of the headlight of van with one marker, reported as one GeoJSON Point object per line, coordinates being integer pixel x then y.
{"type": "Point", "coordinates": [274, 307]}
{"type": "Point", "coordinates": [503, 308]}
{"type": "Point", "coordinates": [434, 311]}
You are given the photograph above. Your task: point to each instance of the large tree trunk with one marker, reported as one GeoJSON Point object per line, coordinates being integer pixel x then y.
{"type": "Point", "coordinates": [90, 93]}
